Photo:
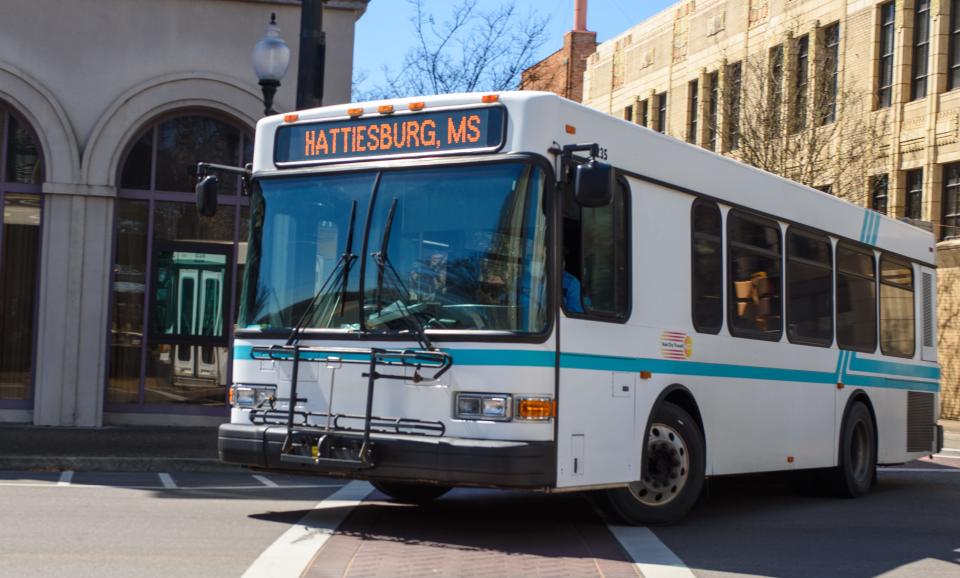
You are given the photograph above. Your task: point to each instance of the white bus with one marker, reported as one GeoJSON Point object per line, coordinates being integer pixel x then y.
{"type": "Point", "coordinates": [516, 291]}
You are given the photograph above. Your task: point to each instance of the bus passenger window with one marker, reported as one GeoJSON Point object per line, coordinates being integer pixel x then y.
{"type": "Point", "coordinates": [809, 288]}
{"type": "Point", "coordinates": [896, 308]}
{"type": "Point", "coordinates": [596, 257]}
{"type": "Point", "coordinates": [707, 255]}
{"type": "Point", "coordinates": [755, 255]}
{"type": "Point", "coordinates": [856, 298]}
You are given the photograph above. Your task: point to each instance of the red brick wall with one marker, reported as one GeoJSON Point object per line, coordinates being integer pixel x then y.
{"type": "Point", "coordinates": [562, 71]}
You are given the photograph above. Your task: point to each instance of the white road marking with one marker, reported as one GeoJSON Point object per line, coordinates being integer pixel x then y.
{"type": "Point", "coordinates": [923, 470]}
{"type": "Point", "coordinates": [292, 552]}
{"type": "Point", "coordinates": [167, 481]}
{"type": "Point", "coordinates": [650, 556]}
{"type": "Point", "coordinates": [265, 481]}
{"type": "Point", "coordinates": [65, 478]}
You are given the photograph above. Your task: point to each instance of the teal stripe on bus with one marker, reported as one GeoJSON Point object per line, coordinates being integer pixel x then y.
{"type": "Point", "coordinates": [894, 368]}
{"type": "Point", "coordinates": [542, 358]}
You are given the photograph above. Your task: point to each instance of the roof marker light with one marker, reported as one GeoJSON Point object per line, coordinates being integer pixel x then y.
{"type": "Point", "coordinates": [385, 109]}
{"type": "Point", "coordinates": [488, 98]}
{"type": "Point", "coordinates": [570, 129]}
{"type": "Point", "coordinates": [416, 106]}
{"type": "Point", "coordinates": [354, 111]}
{"type": "Point", "coordinates": [291, 117]}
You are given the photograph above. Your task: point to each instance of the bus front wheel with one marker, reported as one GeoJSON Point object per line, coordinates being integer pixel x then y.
{"type": "Point", "coordinates": [410, 493]}
{"type": "Point", "coordinates": [674, 473]}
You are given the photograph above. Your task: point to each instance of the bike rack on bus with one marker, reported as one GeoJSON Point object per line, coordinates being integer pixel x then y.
{"type": "Point", "coordinates": [291, 452]}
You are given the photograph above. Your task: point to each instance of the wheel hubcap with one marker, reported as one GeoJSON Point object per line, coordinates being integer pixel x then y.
{"type": "Point", "coordinates": [668, 467]}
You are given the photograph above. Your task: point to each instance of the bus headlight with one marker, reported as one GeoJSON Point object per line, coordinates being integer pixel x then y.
{"type": "Point", "coordinates": [482, 406]}
{"type": "Point", "coordinates": [242, 395]}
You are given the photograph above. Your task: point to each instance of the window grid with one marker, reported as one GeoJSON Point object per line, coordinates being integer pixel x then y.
{"type": "Point", "coordinates": [885, 78]}
{"type": "Point", "coordinates": [800, 83]}
{"type": "Point", "coordinates": [662, 112]}
{"type": "Point", "coordinates": [878, 193]}
{"type": "Point", "coordinates": [628, 113]}
{"type": "Point", "coordinates": [914, 208]}
{"type": "Point", "coordinates": [776, 87]}
{"type": "Point", "coordinates": [921, 49]}
{"type": "Point", "coordinates": [831, 73]}
{"type": "Point", "coordinates": [692, 114]}
{"type": "Point", "coordinates": [950, 228]}
{"type": "Point", "coordinates": [953, 76]}
{"type": "Point", "coordinates": [734, 85]}
{"type": "Point", "coordinates": [643, 116]}
{"type": "Point", "coordinates": [712, 110]}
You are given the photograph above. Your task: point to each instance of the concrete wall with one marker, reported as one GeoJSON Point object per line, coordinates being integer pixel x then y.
{"type": "Point", "coordinates": [88, 75]}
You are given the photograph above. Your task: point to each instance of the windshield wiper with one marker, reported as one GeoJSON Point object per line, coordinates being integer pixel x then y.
{"type": "Point", "coordinates": [386, 270]}
{"type": "Point", "coordinates": [340, 271]}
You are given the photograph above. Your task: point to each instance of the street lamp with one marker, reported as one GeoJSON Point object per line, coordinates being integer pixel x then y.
{"type": "Point", "coordinates": [271, 57]}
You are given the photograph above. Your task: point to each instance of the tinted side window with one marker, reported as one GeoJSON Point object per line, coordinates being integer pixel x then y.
{"type": "Point", "coordinates": [896, 308]}
{"type": "Point", "coordinates": [809, 288]}
{"type": "Point", "coordinates": [755, 251]}
{"type": "Point", "coordinates": [707, 256]}
{"type": "Point", "coordinates": [856, 299]}
{"type": "Point", "coordinates": [605, 254]}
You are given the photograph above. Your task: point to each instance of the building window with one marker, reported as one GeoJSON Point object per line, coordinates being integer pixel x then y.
{"type": "Point", "coordinates": [953, 76]}
{"type": "Point", "coordinates": [830, 76]}
{"type": "Point", "coordinates": [644, 115]}
{"type": "Point", "coordinates": [950, 224]}
{"type": "Point", "coordinates": [628, 113]}
{"type": "Point", "coordinates": [878, 193]}
{"type": "Point", "coordinates": [885, 76]}
{"type": "Point", "coordinates": [921, 49]}
{"type": "Point", "coordinates": [597, 254]}
{"type": "Point", "coordinates": [801, 78]}
{"type": "Point", "coordinates": [662, 112]}
{"type": "Point", "coordinates": [175, 272]}
{"type": "Point", "coordinates": [21, 179]}
{"type": "Point", "coordinates": [825, 189]}
{"type": "Point", "coordinates": [712, 107]}
{"type": "Point", "coordinates": [754, 253]}
{"type": "Point", "coordinates": [809, 288]}
{"type": "Point", "coordinates": [693, 112]}
{"type": "Point", "coordinates": [897, 329]}
{"type": "Point", "coordinates": [775, 94]}
{"type": "Point", "coordinates": [914, 208]}
{"type": "Point", "coordinates": [707, 255]}
{"type": "Point", "coordinates": [856, 298]}
{"type": "Point", "coordinates": [734, 86]}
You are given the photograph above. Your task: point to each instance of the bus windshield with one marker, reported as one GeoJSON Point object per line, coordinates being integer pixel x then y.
{"type": "Point", "coordinates": [466, 251]}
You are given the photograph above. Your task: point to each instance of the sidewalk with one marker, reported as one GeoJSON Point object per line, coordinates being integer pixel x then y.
{"type": "Point", "coordinates": [118, 448]}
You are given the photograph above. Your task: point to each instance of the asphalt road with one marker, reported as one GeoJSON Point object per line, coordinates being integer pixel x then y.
{"type": "Point", "coordinates": [122, 525]}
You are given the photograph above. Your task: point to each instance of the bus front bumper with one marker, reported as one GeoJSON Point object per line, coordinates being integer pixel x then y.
{"type": "Point", "coordinates": [440, 460]}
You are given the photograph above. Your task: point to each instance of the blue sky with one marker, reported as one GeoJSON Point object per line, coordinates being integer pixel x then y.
{"type": "Point", "coordinates": [390, 19]}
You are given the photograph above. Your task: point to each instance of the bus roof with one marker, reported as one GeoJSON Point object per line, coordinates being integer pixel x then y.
{"type": "Point", "coordinates": [537, 121]}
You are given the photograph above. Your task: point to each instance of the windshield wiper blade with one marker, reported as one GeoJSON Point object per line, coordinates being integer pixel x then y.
{"type": "Point", "coordinates": [340, 271]}
{"type": "Point", "coordinates": [384, 266]}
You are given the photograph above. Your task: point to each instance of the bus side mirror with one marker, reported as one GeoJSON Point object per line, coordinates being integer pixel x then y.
{"type": "Point", "coordinates": [207, 190]}
{"type": "Point", "coordinates": [593, 184]}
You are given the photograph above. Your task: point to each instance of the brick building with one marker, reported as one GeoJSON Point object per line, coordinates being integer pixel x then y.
{"type": "Point", "coordinates": [687, 72]}
{"type": "Point", "coordinates": [562, 71]}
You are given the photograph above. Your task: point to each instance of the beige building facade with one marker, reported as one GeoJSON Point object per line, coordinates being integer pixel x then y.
{"type": "Point", "coordinates": [890, 69]}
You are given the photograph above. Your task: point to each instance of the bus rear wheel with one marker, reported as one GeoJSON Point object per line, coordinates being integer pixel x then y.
{"type": "Point", "coordinates": [857, 467]}
{"type": "Point", "coordinates": [410, 493]}
{"type": "Point", "coordinates": [674, 473]}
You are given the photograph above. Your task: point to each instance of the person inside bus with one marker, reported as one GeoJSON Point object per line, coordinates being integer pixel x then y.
{"type": "Point", "coordinates": [572, 301]}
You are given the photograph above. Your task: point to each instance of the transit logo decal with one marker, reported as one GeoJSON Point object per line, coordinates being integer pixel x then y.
{"type": "Point", "coordinates": [676, 345]}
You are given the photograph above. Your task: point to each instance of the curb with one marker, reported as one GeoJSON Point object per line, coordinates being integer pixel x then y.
{"type": "Point", "coordinates": [115, 464]}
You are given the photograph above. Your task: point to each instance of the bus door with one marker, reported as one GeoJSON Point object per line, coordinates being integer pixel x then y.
{"type": "Point", "coordinates": [597, 424]}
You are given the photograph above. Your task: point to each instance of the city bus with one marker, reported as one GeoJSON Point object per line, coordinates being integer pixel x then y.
{"type": "Point", "coordinates": [512, 290]}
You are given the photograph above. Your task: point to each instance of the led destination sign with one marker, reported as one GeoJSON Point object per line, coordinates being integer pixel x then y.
{"type": "Point", "coordinates": [432, 132]}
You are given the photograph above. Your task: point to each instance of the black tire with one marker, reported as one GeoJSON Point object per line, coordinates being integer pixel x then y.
{"type": "Point", "coordinates": [410, 493]}
{"type": "Point", "coordinates": [857, 466]}
{"type": "Point", "coordinates": [639, 504]}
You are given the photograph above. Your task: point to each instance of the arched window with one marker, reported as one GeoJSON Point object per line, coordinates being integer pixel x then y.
{"type": "Point", "coordinates": [175, 272]}
{"type": "Point", "coordinates": [21, 178]}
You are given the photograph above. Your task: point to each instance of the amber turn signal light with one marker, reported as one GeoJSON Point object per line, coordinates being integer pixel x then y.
{"type": "Point", "coordinates": [536, 408]}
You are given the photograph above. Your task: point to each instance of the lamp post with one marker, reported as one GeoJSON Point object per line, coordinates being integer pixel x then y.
{"type": "Point", "coordinates": [271, 57]}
